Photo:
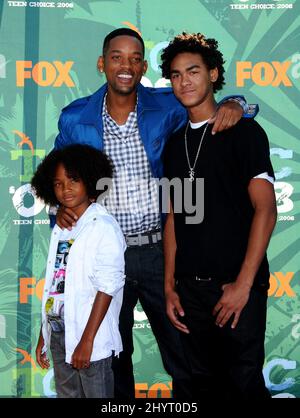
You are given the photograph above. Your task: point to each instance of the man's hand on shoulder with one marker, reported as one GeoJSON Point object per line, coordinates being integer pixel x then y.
{"type": "Point", "coordinates": [227, 115]}
{"type": "Point", "coordinates": [66, 218]}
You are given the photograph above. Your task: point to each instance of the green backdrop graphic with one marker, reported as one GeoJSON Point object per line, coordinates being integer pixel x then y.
{"type": "Point", "coordinates": [48, 58]}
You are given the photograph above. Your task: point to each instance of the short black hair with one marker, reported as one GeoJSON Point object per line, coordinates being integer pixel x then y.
{"type": "Point", "coordinates": [121, 32]}
{"type": "Point", "coordinates": [195, 43]}
{"type": "Point", "coordinates": [80, 162]}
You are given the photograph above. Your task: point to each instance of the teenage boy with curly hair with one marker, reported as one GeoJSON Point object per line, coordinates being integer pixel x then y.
{"type": "Point", "coordinates": [216, 271]}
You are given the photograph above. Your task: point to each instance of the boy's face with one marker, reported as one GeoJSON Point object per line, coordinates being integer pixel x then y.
{"type": "Point", "coordinates": [123, 64]}
{"type": "Point", "coordinates": [69, 192]}
{"type": "Point", "coordinates": [192, 82]}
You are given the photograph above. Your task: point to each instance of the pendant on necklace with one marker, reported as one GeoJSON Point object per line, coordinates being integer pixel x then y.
{"type": "Point", "coordinates": [192, 175]}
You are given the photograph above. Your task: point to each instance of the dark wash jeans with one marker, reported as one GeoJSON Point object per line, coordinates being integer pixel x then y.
{"type": "Point", "coordinates": [95, 382]}
{"type": "Point", "coordinates": [225, 363]}
{"type": "Point", "coordinates": [144, 267]}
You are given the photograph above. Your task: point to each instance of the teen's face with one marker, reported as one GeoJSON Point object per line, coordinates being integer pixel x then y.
{"type": "Point", "coordinates": [123, 64]}
{"type": "Point", "coordinates": [69, 192]}
{"type": "Point", "coordinates": [192, 82]}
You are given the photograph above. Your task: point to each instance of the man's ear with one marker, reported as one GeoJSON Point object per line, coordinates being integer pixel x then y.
{"type": "Point", "coordinates": [100, 64]}
{"type": "Point", "coordinates": [214, 74]}
{"type": "Point", "coordinates": [145, 67]}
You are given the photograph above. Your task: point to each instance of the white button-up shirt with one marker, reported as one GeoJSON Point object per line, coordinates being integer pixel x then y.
{"type": "Point", "coordinates": [95, 263]}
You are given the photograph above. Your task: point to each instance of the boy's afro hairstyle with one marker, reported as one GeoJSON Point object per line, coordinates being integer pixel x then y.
{"type": "Point", "coordinates": [80, 162]}
{"type": "Point", "coordinates": [195, 43]}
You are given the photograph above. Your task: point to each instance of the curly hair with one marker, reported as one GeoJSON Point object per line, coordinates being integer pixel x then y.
{"type": "Point", "coordinates": [195, 43]}
{"type": "Point", "coordinates": [80, 162]}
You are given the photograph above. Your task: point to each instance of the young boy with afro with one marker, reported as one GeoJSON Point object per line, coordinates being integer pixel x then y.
{"type": "Point", "coordinates": [84, 276]}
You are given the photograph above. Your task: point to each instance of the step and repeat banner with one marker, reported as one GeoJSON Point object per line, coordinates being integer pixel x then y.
{"type": "Point", "coordinates": [48, 55]}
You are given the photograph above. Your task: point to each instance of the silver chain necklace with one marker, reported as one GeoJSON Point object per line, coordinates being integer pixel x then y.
{"type": "Point", "coordinates": [192, 169]}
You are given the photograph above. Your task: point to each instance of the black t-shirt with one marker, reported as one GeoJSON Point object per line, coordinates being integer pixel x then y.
{"type": "Point", "coordinates": [227, 162]}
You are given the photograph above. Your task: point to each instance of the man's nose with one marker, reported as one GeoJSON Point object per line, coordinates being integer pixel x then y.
{"type": "Point", "coordinates": [185, 81]}
{"type": "Point", "coordinates": [125, 63]}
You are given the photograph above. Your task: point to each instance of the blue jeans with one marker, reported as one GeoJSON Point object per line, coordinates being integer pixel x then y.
{"type": "Point", "coordinates": [144, 267]}
{"type": "Point", "coordinates": [95, 382]}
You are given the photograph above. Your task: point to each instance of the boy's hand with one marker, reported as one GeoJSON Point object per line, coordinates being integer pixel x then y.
{"type": "Point", "coordinates": [174, 310]}
{"type": "Point", "coordinates": [66, 218]}
{"type": "Point", "coordinates": [82, 355]}
{"type": "Point", "coordinates": [41, 359]}
{"type": "Point", "coordinates": [227, 115]}
{"type": "Point", "coordinates": [232, 302]}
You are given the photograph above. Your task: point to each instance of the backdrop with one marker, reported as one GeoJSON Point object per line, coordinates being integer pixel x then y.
{"type": "Point", "coordinates": [48, 54]}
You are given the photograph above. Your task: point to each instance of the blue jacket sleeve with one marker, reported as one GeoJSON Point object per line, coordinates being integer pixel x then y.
{"type": "Point", "coordinates": [250, 110]}
{"type": "Point", "coordinates": [61, 139]}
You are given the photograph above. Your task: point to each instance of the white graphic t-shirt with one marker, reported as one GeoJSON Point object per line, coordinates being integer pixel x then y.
{"type": "Point", "coordinates": [55, 301]}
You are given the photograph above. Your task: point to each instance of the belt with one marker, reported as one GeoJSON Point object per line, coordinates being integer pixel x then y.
{"type": "Point", "coordinates": [203, 278]}
{"type": "Point", "coordinates": [143, 238]}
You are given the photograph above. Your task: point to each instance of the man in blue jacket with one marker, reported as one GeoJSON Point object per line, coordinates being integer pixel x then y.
{"type": "Point", "coordinates": [131, 124]}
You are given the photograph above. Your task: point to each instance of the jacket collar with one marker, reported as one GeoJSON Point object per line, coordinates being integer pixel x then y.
{"type": "Point", "coordinates": [92, 112]}
{"type": "Point", "coordinates": [146, 100]}
{"type": "Point", "coordinates": [92, 213]}
{"type": "Point", "coordinates": [93, 109]}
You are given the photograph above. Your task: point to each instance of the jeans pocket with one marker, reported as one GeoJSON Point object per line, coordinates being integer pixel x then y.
{"type": "Point", "coordinates": [158, 247]}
